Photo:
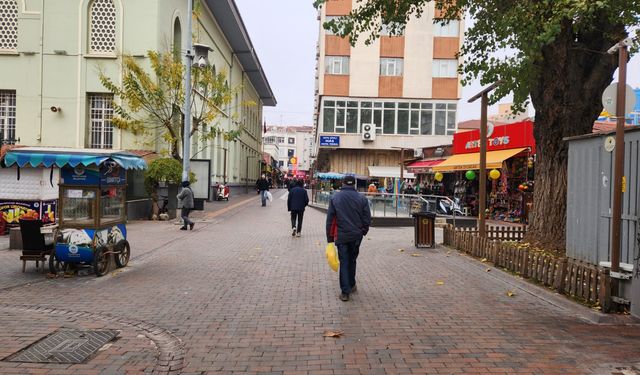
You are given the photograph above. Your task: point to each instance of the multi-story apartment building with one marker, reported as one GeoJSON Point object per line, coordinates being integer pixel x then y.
{"type": "Point", "coordinates": [399, 92]}
{"type": "Point", "coordinates": [293, 143]}
{"type": "Point", "coordinates": [51, 54]}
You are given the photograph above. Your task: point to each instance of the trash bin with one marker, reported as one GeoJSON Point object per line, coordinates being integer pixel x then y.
{"type": "Point", "coordinates": [425, 229]}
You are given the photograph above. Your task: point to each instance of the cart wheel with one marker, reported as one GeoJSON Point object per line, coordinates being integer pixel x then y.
{"type": "Point", "coordinates": [100, 261]}
{"type": "Point", "coordinates": [56, 265]}
{"type": "Point", "coordinates": [124, 252]}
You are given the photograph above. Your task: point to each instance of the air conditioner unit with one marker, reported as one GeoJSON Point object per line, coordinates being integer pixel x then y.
{"type": "Point", "coordinates": [417, 153]}
{"type": "Point", "coordinates": [368, 132]}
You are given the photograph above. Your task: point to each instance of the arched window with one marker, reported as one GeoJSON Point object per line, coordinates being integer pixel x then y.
{"type": "Point", "coordinates": [102, 27]}
{"type": "Point", "coordinates": [177, 39]}
{"type": "Point", "coordinates": [8, 25]}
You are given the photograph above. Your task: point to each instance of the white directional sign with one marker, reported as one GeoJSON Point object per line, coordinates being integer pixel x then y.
{"type": "Point", "coordinates": [610, 95]}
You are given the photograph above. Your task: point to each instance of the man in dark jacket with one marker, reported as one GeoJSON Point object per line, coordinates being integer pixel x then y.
{"type": "Point", "coordinates": [263, 186]}
{"type": "Point", "coordinates": [349, 210]}
{"type": "Point", "coordinates": [297, 201]}
{"type": "Point", "coordinates": [186, 200]}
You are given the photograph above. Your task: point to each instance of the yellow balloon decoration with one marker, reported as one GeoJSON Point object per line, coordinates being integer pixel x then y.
{"type": "Point", "coordinates": [494, 174]}
{"type": "Point", "coordinates": [439, 176]}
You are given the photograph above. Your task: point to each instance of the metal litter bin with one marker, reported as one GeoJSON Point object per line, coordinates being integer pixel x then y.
{"type": "Point", "coordinates": [425, 229]}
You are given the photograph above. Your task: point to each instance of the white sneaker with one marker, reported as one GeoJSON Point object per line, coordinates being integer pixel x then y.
{"type": "Point", "coordinates": [293, 231]}
{"type": "Point", "coordinates": [298, 234]}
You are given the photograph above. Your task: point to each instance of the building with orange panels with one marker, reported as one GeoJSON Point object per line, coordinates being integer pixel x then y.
{"type": "Point", "coordinates": [401, 91]}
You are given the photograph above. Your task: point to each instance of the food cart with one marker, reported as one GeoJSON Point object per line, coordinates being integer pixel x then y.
{"type": "Point", "coordinates": [91, 204]}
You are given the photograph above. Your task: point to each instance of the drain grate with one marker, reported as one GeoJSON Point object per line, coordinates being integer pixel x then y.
{"type": "Point", "coordinates": [64, 346]}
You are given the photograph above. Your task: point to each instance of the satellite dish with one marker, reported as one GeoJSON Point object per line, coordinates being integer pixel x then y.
{"type": "Point", "coordinates": [609, 143]}
{"type": "Point", "coordinates": [610, 95]}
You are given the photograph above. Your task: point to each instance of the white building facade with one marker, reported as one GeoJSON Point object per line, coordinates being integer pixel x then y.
{"type": "Point", "coordinates": [52, 52]}
{"type": "Point", "coordinates": [294, 143]}
{"type": "Point", "coordinates": [399, 92]}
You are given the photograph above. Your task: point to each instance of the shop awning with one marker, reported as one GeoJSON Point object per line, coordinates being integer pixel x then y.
{"type": "Point", "coordinates": [423, 166]}
{"type": "Point", "coordinates": [463, 162]}
{"type": "Point", "coordinates": [59, 157]}
{"type": "Point", "coordinates": [393, 172]}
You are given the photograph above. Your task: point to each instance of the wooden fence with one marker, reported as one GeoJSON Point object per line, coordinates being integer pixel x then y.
{"type": "Point", "coordinates": [501, 233]}
{"type": "Point", "coordinates": [568, 276]}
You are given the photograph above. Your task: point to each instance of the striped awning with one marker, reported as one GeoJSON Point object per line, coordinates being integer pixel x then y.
{"type": "Point", "coordinates": [48, 157]}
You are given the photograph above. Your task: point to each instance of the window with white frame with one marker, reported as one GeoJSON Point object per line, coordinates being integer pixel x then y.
{"type": "Point", "coordinates": [450, 29]}
{"type": "Point", "coordinates": [445, 68]}
{"type": "Point", "coordinates": [102, 27]}
{"type": "Point", "coordinates": [8, 25]}
{"type": "Point", "coordinates": [8, 116]}
{"type": "Point", "coordinates": [336, 65]}
{"type": "Point", "coordinates": [392, 29]}
{"type": "Point", "coordinates": [100, 116]}
{"type": "Point", "coordinates": [391, 67]}
{"type": "Point", "coordinates": [329, 19]}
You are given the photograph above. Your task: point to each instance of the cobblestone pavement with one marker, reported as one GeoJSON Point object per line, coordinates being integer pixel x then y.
{"type": "Point", "coordinates": [240, 295]}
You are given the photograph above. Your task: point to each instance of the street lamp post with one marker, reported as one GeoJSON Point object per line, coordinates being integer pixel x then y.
{"type": "Point", "coordinates": [188, 61]}
{"type": "Point", "coordinates": [484, 94]}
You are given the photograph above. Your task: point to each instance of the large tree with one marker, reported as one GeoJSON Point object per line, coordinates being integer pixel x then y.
{"type": "Point", "coordinates": [151, 100]}
{"type": "Point", "coordinates": [551, 52]}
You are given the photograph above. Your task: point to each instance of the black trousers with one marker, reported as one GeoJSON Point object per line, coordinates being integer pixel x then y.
{"type": "Point", "coordinates": [297, 215]}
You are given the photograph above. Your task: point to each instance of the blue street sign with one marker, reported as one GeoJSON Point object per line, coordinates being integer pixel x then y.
{"type": "Point", "coordinates": [330, 140]}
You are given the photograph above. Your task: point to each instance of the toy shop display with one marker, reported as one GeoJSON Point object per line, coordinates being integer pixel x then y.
{"type": "Point", "coordinates": [511, 191]}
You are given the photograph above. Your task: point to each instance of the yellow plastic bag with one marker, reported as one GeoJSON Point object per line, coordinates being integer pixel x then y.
{"type": "Point", "coordinates": [332, 256]}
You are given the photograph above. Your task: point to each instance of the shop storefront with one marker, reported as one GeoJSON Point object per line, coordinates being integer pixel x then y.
{"type": "Point", "coordinates": [510, 163]}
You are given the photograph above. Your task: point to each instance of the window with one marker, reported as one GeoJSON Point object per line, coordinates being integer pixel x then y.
{"type": "Point", "coordinates": [392, 29]}
{"type": "Point", "coordinates": [391, 67]}
{"type": "Point", "coordinates": [177, 41]}
{"type": "Point", "coordinates": [280, 163]}
{"type": "Point", "coordinates": [8, 116]}
{"type": "Point", "coordinates": [291, 152]}
{"type": "Point", "coordinates": [8, 25]}
{"type": "Point", "coordinates": [102, 21]}
{"type": "Point", "coordinates": [445, 68]}
{"type": "Point", "coordinates": [452, 28]}
{"type": "Point", "coordinates": [280, 139]}
{"type": "Point", "coordinates": [441, 118]}
{"type": "Point", "coordinates": [329, 19]}
{"type": "Point", "coordinates": [101, 113]}
{"type": "Point", "coordinates": [270, 140]}
{"type": "Point", "coordinates": [291, 141]}
{"type": "Point", "coordinates": [336, 65]}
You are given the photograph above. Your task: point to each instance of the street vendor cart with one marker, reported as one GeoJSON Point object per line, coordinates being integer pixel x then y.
{"type": "Point", "coordinates": [91, 204]}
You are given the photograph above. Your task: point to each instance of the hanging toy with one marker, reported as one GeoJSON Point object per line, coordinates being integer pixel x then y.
{"type": "Point", "coordinates": [494, 174]}
{"type": "Point", "coordinates": [530, 162]}
{"type": "Point", "coordinates": [470, 175]}
{"type": "Point", "coordinates": [438, 176]}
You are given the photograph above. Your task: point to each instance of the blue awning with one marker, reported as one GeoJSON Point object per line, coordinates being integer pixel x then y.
{"type": "Point", "coordinates": [59, 158]}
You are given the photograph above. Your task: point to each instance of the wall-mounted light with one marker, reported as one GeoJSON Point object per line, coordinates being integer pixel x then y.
{"type": "Point", "coordinates": [55, 109]}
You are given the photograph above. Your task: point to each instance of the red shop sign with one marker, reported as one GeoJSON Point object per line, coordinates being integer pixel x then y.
{"type": "Point", "coordinates": [503, 137]}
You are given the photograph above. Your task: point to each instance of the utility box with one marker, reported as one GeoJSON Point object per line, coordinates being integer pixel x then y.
{"type": "Point", "coordinates": [425, 229]}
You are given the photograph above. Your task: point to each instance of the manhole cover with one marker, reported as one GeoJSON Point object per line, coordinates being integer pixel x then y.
{"type": "Point", "coordinates": [64, 346]}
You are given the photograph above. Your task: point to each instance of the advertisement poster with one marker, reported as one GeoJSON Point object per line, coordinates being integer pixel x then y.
{"type": "Point", "coordinates": [13, 211]}
{"type": "Point", "coordinates": [80, 175]}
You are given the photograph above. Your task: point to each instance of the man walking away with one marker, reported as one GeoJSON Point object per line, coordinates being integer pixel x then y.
{"type": "Point", "coordinates": [296, 202]}
{"type": "Point", "coordinates": [263, 186]}
{"type": "Point", "coordinates": [349, 212]}
{"type": "Point", "coordinates": [186, 200]}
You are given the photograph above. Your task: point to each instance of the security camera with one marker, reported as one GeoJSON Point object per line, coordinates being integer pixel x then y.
{"type": "Point", "coordinates": [627, 42]}
{"type": "Point", "coordinates": [202, 63]}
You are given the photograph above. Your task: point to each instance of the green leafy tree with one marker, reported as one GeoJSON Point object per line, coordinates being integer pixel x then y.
{"type": "Point", "coordinates": [551, 52]}
{"type": "Point", "coordinates": [151, 100]}
{"type": "Point", "coordinates": [166, 170]}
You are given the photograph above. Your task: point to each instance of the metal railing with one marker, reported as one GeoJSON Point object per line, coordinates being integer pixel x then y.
{"type": "Point", "coordinates": [391, 205]}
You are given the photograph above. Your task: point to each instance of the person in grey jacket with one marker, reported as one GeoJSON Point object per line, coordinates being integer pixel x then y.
{"type": "Point", "coordinates": [348, 221]}
{"type": "Point", "coordinates": [186, 200]}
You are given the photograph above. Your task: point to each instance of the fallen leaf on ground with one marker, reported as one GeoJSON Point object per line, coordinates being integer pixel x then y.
{"type": "Point", "coordinates": [511, 293]}
{"type": "Point", "coordinates": [488, 270]}
{"type": "Point", "coordinates": [416, 255]}
{"type": "Point", "coordinates": [52, 276]}
{"type": "Point", "coordinates": [598, 308]}
{"type": "Point", "coordinates": [258, 248]}
{"type": "Point", "coordinates": [439, 282]}
{"type": "Point", "coordinates": [333, 333]}
{"type": "Point", "coordinates": [483, 260]}
{"type": "Point", "coordinates": [400, 250]}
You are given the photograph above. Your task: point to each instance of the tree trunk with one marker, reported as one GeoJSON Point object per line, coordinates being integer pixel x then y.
{"type": "Point", "coordinates": [573, 73]}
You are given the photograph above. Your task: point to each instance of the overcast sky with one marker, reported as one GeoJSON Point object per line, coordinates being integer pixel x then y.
{"type": "Point", "coordinates": [285, 38]}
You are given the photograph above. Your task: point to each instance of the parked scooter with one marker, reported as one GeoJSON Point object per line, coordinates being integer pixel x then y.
{"type": "Point", "coordinates": [448, 207]}
{"type": "Point", "coordinates": [223, 192]}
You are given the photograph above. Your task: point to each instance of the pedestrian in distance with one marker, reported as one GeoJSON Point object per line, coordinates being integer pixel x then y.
{"type": "Point", "coordinates": [186, 200]}
{"type": "Point", "coordinates": [263, 186]}
{"type": "Point", "coordinates": [296, 202]}
{"type": "Point", "coordinates": [348, 221]}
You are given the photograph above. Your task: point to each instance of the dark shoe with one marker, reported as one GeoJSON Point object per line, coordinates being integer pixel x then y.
{"type": "Point", "coordinates": [293, 231]}
{"type": "Point", "coordinates": [183, 228]}
{"type": "Point", "coordinates": [354, 289]}
{"type": "Point", "coordinates": [191, 226]}
{"type": "Point", "coordinates": [344, 297]}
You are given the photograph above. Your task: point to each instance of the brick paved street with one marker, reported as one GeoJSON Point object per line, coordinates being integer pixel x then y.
{"type": "Point", "coordinates": [240, 295]}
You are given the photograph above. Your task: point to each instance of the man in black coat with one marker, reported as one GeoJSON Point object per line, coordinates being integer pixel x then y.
{"type": "Point", "coordinates": [263, 186]}
{"type": "Point", "coordinates": [296, 202]}
{"type": "Point", "coordinates": [348, 221]}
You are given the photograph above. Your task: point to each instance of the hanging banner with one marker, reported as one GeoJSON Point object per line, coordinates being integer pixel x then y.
{"type": "Point", "coordinates": [503, 137]}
